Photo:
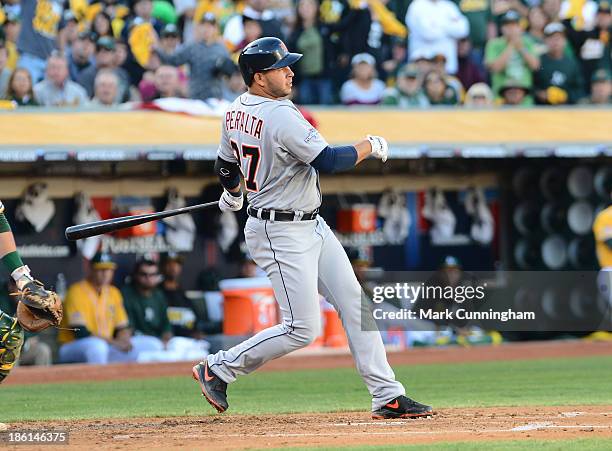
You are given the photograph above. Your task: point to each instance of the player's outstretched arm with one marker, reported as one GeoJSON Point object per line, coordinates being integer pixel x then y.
{"type": "Point", "coordinates": [341, 158]}
{"type": "Point", "coordinates": [9, 255]}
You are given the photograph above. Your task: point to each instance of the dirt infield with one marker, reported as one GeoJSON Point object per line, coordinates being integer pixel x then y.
{"type": "Point", "coordinates": [237, 432]}
{"type": "Point", "coordinates": [316, 359]}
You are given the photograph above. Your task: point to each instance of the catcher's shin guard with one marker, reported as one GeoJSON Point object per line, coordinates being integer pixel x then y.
{"type": "Point", "coordinates": [11, 341]}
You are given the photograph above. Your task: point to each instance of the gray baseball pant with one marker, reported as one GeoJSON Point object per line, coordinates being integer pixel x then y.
{"type": "Point", "coordinates": [302, 259]}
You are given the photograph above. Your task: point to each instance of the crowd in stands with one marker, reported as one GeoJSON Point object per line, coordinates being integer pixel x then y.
{"type": "Point", "coordinates": [149, 317]}
{"type": "Point", "coordinates": [404, 53]}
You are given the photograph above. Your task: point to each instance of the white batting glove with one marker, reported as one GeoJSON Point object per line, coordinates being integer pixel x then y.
{"type": "Point", "coordinates": [380, 148]}
{"type": "Point", "coordinates": [22, 276]}
{"type": "Point", "coordinates": [229, 202]}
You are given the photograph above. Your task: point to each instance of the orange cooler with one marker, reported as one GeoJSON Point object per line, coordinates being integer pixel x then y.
{"type": "Point", "coordinates": [248, 305]}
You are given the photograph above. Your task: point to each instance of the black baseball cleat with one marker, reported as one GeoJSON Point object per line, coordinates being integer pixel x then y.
{"type": "Point", "coordinates": [213, 388]}
{"type": "Point", "coordinates": [402, 407]}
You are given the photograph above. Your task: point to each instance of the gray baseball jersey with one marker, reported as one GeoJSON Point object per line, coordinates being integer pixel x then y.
{"type": "Point", "coordinates": [273, 145]}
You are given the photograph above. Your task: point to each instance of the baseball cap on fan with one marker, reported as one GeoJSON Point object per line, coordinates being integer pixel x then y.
{"type": "Point", "coordinates": [170, 30]}
{"type": "Point", "coordinates": [363, 58]}
{"type": "Point", "coordinates": [409, 70]}
{"type": "Point", "coordinates": [105, 43]}
{"type": "Point", "coordinates": [172, 256]}
{"type": "Point", "coordinates": [601, 75]}
{"type": "Point", "coordinates": [102, 260]}
{"type": "Point", "coordinates": [510, 16]}
{"type": "Point", "coordinates": [552, 28]}
{"type": "Point", "coordinates": [209, 18]}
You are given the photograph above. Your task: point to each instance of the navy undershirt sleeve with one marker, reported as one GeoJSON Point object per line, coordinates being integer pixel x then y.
{"type": "Point", "coordinates": [335, 159]}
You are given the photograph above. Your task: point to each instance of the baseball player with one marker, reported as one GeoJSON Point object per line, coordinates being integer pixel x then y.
{"type": "Point", "coordinates": [602, 231]}
{"type": "Point", "coordinates": [37, 309]}
{"type": "Point", "coordinates": [279, 154]}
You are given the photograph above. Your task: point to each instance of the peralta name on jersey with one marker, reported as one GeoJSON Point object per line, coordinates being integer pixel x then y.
{"type": "Point", "coordinates": [244, 122]}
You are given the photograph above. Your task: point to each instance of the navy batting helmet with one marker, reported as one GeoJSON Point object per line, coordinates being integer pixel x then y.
{"type": "Point", "coordinates": [264, 54]}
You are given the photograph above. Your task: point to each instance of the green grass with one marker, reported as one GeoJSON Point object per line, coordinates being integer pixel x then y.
{"type": "Point", "coordinates": [516, 383]}
{"type": "Point", "coordinates": [509, 445]}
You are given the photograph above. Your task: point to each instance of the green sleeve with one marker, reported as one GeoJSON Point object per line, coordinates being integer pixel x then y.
{"type": "Point", "coordinates": [576, 87]}
{"type": "Point", "coordinates": [389, 100]}
{"type": "Point", "coordinates": [493, 49]}
{"type": "Point", "coordinates": [127, 305]}
{"type": "Point", "coordinates": [4, 225]}
{"type": "Point", "coordinates": [166, 326]}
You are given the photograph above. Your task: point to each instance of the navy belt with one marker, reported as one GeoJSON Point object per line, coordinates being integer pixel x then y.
{"type": "Point", "coordinates": [275, 215]}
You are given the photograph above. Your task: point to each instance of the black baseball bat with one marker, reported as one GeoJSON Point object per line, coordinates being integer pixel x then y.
{"type": "Point", "coordinates": [80, 231]}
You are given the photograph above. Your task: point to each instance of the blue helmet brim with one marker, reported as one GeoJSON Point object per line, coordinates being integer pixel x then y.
{"type": "Point", "coordinates": [288, 60]}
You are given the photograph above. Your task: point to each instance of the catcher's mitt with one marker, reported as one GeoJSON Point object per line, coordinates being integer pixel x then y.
{"type": "Point", "coordinates": [38, 308]}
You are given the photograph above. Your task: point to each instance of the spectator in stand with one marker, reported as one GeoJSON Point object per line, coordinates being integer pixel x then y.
{"type": "Point", "coordinates": [38, 34]}
{"type": "Point", "coordinates": [436, 25]}
{"type": "Point", "coordinates": [187, 318]}
{"type": "Point", "coordinates": [34, 351]}
{"type": "Point", "coordinates": [512, 55]}
{"type": "Point", "coordinates": [252, 31]}
{"type": "Point", "coordinates": [552, 9]}
{"type": "Point", "coordinates": [438, 64]}
{"type": "Point", "coordinates": [167, 82]}
{"type": "Point", "coordinates": [102, 25]}
{"type": "Point", "coordinates": [396, 58]}
{"type": "Point", "coordinates": [408, 92]}
{"type": "Point", "coordinates": [537, 21]}
{"type": "Point", "coordinates": [233, 32]}
{"type": "Point", "coordinates": [438, 91]}
{"type": "Point", "coordinates": [105, 59]}
{"type": "Point", "coordinates": [558, 81]}
{"type": "Point", "coordinates": [500, 7]}
{"type": "Point", "coordinates": [423, 60]}
{"type": "Point", "coordinates": [5, 72]}
{"type": "Point", "coordinates": [57, 89]}
{"type": "Point", "coordinates": [363, 88]}
{"type": "Point", "coordinates": [141, 33]}
{"type": "Point", "coordinates": [146, 304]}
{"type": "Point", "coordinates": [479, 96]}
{"type": "Point", "coordinates": [601, 88]}
{"type": "Point", "coordinates": [515, 93]}
{"type": "Point", "coordinates": [94, 308]}
{"type": "Point", "coordinates": [366, 27]}
{"type": "Point", "coordinates": [169, 39]}
{"type": "Point", "coordinates": [68, 31]}
{"type": "Point", "coordinates": [81, 54]}
{"type": "Point", "coordinates": [121, 53]}
{"type": "Point", "coordinates": [11, 28]}
{"type": "Point", "coordinates": [233, 83]}
{"type": "Point", "coordinates": [480, 19]}
{"type": "Point", "coordinates": [20, 88]}
{"type": "Point", "coordinates": [470, 70]}
{"type": "Point", "coordinates": [106, 88]}
{"type": "Point", "coordinates": [592, 47]}
{"type": "Point", "coordinates": [201, 56]}
{"type": "Point", "coordinates": [314, 83]}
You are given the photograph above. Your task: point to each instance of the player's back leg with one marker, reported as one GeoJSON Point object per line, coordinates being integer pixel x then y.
{"type": "Point", "coordinates": [289, 254]}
